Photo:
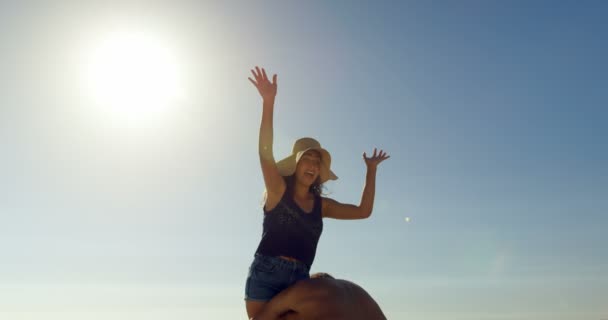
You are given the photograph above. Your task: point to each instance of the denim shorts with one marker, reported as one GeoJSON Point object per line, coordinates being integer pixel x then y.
{"type": "Point", "coordinates": [270, 275]}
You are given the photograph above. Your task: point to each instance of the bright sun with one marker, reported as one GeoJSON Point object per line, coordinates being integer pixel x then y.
{"type": "Point", "coordinates": [133, 76]}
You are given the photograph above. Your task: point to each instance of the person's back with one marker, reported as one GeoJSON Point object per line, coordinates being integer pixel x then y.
{"type": "Point", "coordinates": [323, 299]}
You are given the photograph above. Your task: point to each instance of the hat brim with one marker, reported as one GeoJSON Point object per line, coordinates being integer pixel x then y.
{"type": "Point", "coordinates": [287, 166]}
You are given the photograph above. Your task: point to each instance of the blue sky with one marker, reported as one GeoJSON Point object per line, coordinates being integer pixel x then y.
{"type": "Point", "coordinates": [494, 114]}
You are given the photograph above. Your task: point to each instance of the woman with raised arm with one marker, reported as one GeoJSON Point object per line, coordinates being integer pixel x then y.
{"type": "Point", "coordinates": [294, 207]}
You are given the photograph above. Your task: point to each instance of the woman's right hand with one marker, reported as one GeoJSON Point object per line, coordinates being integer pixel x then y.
{"type": "Point", "coordinates": [267, 89]}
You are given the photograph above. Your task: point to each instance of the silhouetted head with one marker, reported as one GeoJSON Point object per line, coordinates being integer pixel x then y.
{"type": "Point", "coordinates": [321, 275]}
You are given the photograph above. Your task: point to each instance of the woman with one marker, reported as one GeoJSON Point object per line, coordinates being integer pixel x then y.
{"type": "Point", "coordinates": [294, 208]}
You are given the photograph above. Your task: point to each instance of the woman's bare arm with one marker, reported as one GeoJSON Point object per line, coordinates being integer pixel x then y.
{"type": "Point", "coordinates": [273, 181]}
{"type": "Point", "coordinates": [337, 210]}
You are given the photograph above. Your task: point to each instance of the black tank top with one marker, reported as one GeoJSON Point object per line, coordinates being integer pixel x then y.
{"type": "Point", "coordinates": [290, 231]}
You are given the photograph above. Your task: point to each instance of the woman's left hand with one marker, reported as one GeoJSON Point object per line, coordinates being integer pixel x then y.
{"type": "Point", "coordinates": [375, 159]}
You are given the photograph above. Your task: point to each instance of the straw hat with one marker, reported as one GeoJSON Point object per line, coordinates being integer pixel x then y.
{"type": "Point", "coordinates": [288, 165]}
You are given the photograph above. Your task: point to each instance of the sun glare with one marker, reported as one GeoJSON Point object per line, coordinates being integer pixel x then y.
{"type": "Point", "coordinates": [132, 76]}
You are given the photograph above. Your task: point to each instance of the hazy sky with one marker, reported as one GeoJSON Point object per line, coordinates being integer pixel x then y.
{"type": "Point", "coordinates": [493, 112]}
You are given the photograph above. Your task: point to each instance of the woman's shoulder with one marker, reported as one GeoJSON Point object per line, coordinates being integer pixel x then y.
{"type": "Point", "coordinates": [325, 201]}
{"type": "Point", "coordinates": [273, 200]}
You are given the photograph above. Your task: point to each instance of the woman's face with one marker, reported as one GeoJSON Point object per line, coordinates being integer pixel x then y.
{"type": "Point", "coordinates": [309, 167]}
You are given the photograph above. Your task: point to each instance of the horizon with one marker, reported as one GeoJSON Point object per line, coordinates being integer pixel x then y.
{"type": "Point", "coordinates": [132, 186]}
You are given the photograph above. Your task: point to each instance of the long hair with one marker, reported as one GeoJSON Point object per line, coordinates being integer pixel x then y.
{"type": "Point", "coordinates": [316, 188]}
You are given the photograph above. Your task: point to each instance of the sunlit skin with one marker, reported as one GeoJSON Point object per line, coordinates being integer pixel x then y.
{"type": "Point", "coordinates": [306, 174]}
{"type": "Point", "coordinates": [310, 162]}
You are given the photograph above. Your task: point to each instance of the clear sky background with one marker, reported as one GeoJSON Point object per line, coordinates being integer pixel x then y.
{"type": "Point", "coordinates": [493, 112]}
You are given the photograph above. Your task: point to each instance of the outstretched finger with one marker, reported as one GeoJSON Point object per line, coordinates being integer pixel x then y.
{"type": "Point", "coordinates": [274, 79]}
{"type": "Point", "coordinates": [259, 73]}
{"type": "Point", "coordinates": [255, 75]}
{"type": "Point", "coordinates": [265, 77]}
{"type": "Point", "coordinates": [374, 153]}
{"type": "Point", "coordinates": [254, 83]}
